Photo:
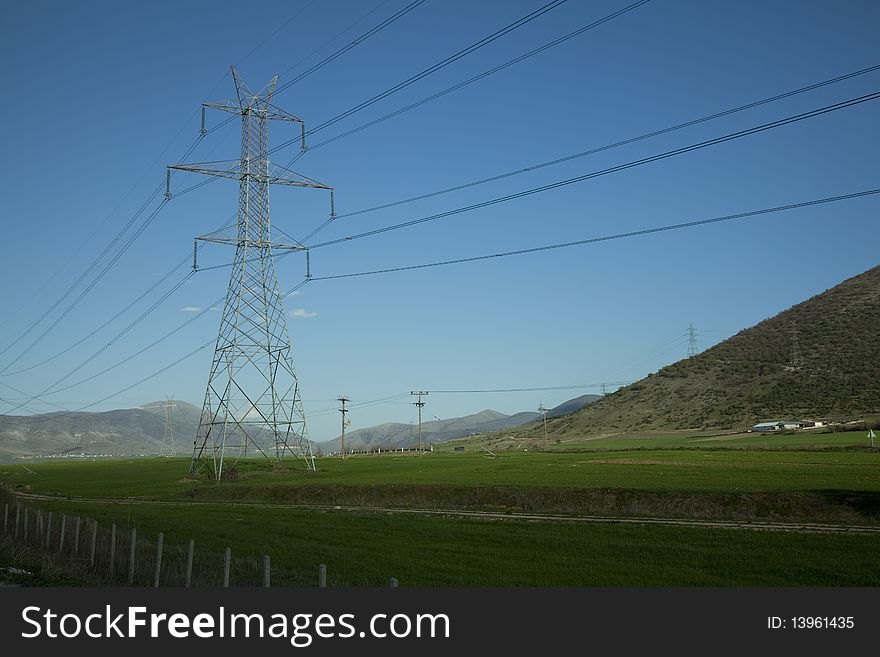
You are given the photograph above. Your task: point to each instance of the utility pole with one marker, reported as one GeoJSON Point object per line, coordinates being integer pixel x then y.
{"type": "Point", "coordinates": [342, 400]}
{"type": "Point", "coordinates": [692, 341]}
{"type": "Point", "coordinates": [253, 397]}
{"type": "Point", "coordinates": [543, 411]}
{"type": "Point", "coordinates": [420, 404]}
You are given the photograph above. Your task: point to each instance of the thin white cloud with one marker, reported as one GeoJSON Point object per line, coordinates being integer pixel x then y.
{"type": "Point", "coordinates": [294, 294]}
{"type": "Point", "coordinates": [302, 312]}
{"type": "Point", "coordinates": [191, 309]}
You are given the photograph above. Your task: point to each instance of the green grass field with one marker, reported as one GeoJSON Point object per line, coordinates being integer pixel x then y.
{"type": "Point", "coordinates": [682, 439]}
{"type": "Point", "coordinates": [657, 469]}
{"type": "Point", "coordinates": [365, 549]}
{"type": "Point", "coordinates": [825, 478]}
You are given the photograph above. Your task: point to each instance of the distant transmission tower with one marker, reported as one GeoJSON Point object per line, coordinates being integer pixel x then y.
{"type": "Point", "coordinates": [167, 448]}
{"type": "Point", "coordinates": [692, 341]}
{"type": "Point", "coordinates": [253, 397]}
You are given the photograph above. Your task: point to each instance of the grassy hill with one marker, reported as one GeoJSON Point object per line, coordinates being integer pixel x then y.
{"type": "Point", "coordinates": [818, 359]}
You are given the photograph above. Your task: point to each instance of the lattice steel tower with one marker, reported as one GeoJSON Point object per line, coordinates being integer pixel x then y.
{"type": "Point", "coordinates": [253, 397]}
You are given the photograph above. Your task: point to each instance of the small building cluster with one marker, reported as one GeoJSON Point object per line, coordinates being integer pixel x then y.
{"type": "Point", "coordinates": [781, 425]}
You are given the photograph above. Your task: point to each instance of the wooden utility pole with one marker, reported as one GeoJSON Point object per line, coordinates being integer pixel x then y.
{"type": "Point", "coordinates": [543, 412]}
{"type": "Point", "coordinates": [342, 400]}
{"type": "Point", "coordinates": [419, 404]}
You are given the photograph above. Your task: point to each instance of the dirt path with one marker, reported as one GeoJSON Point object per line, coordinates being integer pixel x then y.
{"type": "Point", "coordinates": [757, 525]}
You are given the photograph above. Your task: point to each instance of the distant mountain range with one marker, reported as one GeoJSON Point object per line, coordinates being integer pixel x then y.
{"type": "Point", "coordinates": [818, 359]}
{"type": "Point", "coordinates": [396, 434]}
{"type": "Point", "coordinates": [139, 431]}
{"type": "Point", "coordinates": [123, 432]}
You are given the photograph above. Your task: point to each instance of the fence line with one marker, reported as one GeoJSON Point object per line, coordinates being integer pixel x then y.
{"type": "Point", "coordinates": [104, 555]}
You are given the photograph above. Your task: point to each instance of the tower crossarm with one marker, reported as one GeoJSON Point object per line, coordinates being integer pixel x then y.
{"type": "Point", "coordinates": [272, 113]}
{"type": "Point", "coordinates": [260, 244]}
{"type": "Point", "coordinates": [261, 175]}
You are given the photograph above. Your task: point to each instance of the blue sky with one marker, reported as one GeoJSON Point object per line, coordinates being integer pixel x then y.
{"type": "Point", "coordinates": [102, 95]}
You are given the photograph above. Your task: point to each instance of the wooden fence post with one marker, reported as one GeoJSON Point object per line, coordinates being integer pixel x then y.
{"type": "Point", "coordinates": [63, 526]}
{"type": "Point", "coordinates": [266, 571]}
{"type": "Point", "coordinates": [159, 543]}
{"type": "Point", "coordinates": [112, 550]}
{"type": "Point", "coordinates": [322, 576]}
{"type": "Point", "coordinates": [5, 518]}
{"type": "Point", "coordinates": [39, 536]}
{"type": "Point", "coordinates": [227, 558]}
{"type": "Point", "coordinates": [132, 556]}
{"type": "Point", "coordinates": [76, 538]}
{"type": "Point", "coordinates": [25, 533]}
{"type": "Point", "coordinates": [94, 541]}
{"type": "Point", "coordinates": [48, 529]}
{"type": "Point", "coordinates": [189, 562]}
{"type": "Point", "coordinates": [17, 517]}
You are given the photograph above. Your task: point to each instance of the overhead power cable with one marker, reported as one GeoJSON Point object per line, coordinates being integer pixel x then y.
{"type": "Point", "coordinates": [104, 348]}
{"type": "Point", "coordinates": [125, 228]}
{"type": "Point", "coordinates": [363, 37]}
{"type": "Point", "coordinates": [608, 238]}
{"type": "Point", "coordinates": [621, 167]}
{"type": "Point", "coordinates": [455, 87]}
{"type": "Point", "coordinates": [90, 286]}
{"type": "Point", "coordinates": [426, 72]}
{"type": "Point", "coordinates": [157, 341]}
{"type": "Point", "coordinates": [118, 254]}
{"type": "Point", "coordinates": [485, 74]}
{"type": "Point", "coordinates": [629, 234]}
{"type": "Point", "coordinates": [577, 386]}
{"type": "Point", "coordinates": [101, 224]}
{"type": "Point", "coordinates": [266, 40]}
{"type": "Point", "coordinates": [606, 147]}
{"type": "Point", "coordinates": [336, 36]}
{"type": "Point", "coordinates": [595, 174]}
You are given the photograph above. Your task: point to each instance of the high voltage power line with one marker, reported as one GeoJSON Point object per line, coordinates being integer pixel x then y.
{"type": "Point", "coordinates": [477, 45]}
{"type": "Point", "coordinates": [481, 76]}
{"type": "Point", "coordinates": [595, 174]}
{"type": "Point", "coordinates": [407, 82]}
{"type": "Point", "coordinates": [579, 242]}
{"type": "Point", "coordinates": [608, 238]}
{"type": "Point", "coordinates": [363, 37]}
{"type": "Point", "coordinates": [522, 21]}
{"type": "Point", "coordinates": [621, 167]}
{"type": "Point", "coordinates": [619, 236]}
{"type": "Point", "coordinates": [606, 147]}
{"type": "Point", "coordinates": [336, 36]}
{"type": "Point", "coordinates": [578, 386]}
{"type": "Point", "coordinates": [203, 133]}
{"type": "Point", "coordinates": [442, 63]}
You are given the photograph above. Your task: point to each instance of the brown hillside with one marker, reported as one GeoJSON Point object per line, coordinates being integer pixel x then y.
{"type": "Point", "coordinates": [820, 358]}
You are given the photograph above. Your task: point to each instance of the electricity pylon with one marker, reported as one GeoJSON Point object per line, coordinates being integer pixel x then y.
{"type": "Point", "coordinates": [167, 448]}
{"type": "Point", "coordinates": [692, 341]}
{"type": "Point", "coordinates": [253, 396]}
